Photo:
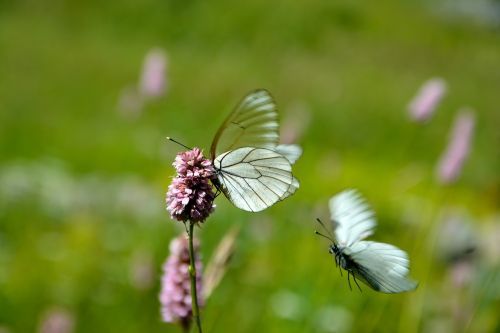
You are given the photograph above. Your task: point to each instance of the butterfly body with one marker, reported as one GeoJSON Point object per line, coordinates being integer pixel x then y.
{"type": "Point", "coordinates": [341, 259]}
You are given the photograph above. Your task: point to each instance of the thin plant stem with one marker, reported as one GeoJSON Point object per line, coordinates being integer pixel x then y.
{"type": "Point", "coordinates": [192, 277]}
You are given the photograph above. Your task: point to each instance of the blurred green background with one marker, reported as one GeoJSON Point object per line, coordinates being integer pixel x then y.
{"type": "Point", "coordinates": [83, 176]}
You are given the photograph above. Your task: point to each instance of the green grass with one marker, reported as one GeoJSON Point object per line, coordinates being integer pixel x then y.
{"type": "Point", "coordinates": [82, 188]}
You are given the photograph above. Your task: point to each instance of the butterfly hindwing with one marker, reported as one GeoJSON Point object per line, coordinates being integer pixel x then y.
{"type": "Point", "coordinates": [291, 152]}
{"type": "Point", "coordinates": [291, 190]}
{"type": "Point", "coordinates": [254, 178]}
{"type": "Point", "coordinates": [383, 267]}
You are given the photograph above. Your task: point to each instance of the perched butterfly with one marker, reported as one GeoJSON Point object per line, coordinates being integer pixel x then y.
{"type": "Point", "coordinates": [383, 267]}
{"type": "Point", "coordinates": [252, 169]}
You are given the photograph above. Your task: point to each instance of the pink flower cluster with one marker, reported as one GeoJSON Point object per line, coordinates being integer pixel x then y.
{"type": "Point", "coordinates": [175, 295]}
{"type": "Point", "coordinates": [190, 196]}
{"type": "Point", "coordinates": [424, 104]}
{"type": "Point", "coordinates": [192, 164]}
{"type": "Point", "coordinates": [57, 320]}
{"type": "Point", "coordinates": [153, 81]}
{"type": "Point", "coordinates": [456, 153]}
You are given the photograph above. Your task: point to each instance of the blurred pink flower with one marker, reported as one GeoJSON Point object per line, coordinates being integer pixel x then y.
{"type": "Point", "coordinates": [462, 273]}
{"type": "Point", "coordinates": [453, 158]}
{"type": "Point", "coordinates": [153, 82]}
{"type": "Point", "coordinates": [57, 320]}
{"type": "Point", "coordinates": [423, 105]}
{"type": "Point", "coordinates": [295, 123]}
{"type": "Point", "coordinates": [190, 195]}
{"type": "Point", "coordinates": [141, 270]}
{"type": "Point", "coordinates": [175, 295]}
{"type": "Point", "coordinates": [130, 103]}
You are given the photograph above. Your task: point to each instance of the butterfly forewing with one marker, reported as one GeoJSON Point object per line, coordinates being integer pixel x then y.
{"type": "Point", "coordinates": [352, 218]}
{"type": "Point", "coordinates": [382, 266]}
{"type": "Point", "coordinates": [254, 178]}
{"type": "Point", "coordinates": [253, 123]}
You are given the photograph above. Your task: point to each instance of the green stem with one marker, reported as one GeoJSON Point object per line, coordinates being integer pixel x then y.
{"type": "Point", "coordinates": [192, 276]}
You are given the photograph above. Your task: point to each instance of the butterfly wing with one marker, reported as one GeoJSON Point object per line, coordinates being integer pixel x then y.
{"type": "Point", "coordinates": [291, 190]}
{"type": "Point", "coordinates": [291, 152]}
{"type": "Point", "coordinates": [382, 266]}
{"type": "Point", "coordinates": [353, 219]}
{"type": "Point", "coordinates": [254, 178]}
{"type": "Point", "coordinates": [253, 123]}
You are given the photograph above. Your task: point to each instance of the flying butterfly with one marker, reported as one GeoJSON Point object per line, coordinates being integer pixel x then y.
{"type": "Point", "coordinates": [383, 267]}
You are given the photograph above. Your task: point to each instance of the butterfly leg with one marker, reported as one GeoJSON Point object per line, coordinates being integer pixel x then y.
{"type": "Point", "coordinates": [217, 192]}
{"type": "Point", "coordinates": [348, 280]}
{"type": "Point", "coordinates": [354, 277]}
{"type": "Point", "coordinates": [337, 263]}
{"type": "Point", "coordinates": [217, 185]}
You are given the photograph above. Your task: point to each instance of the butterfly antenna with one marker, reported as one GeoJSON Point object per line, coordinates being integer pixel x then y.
{"type": "Point", "coordinates": [330, 236]}
{"type": "Point", "coordinates": [322, 235]}
{"type": "Point", "coordinates": [180, 144]}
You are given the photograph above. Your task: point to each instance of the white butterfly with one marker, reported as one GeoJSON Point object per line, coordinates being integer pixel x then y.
{"type": "Point", "coordinates": [383, 267]}
{"type": "Point", "coordinates": [253, 170]}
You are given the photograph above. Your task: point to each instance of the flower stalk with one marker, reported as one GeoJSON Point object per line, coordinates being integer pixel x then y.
{"type": "Point", "coordinates": [192, 277]}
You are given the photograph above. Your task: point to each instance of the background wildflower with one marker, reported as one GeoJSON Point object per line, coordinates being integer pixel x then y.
{"type": "Point", "coordinates": [141, 270]}
{"type": "Point", "coordinates": [153, 82]}
{"type": "Point", "coordinates": [57, 320]}
{"type": "Point", "coordinates": [453, 158]}
{"type": "Point", "coordinates": [175, 295]}
{"type": "Point", "coordinates": [295, 123]}
{"type": "Point", "coordinates": [423, 105]}
{"type": "Point", "coordinates": [130, 103]}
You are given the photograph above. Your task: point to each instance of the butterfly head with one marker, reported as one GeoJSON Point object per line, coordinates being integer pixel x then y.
{"type": "Point", "coordinates": [334, 249]}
